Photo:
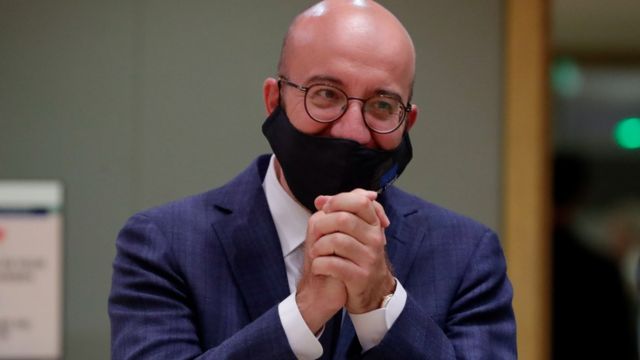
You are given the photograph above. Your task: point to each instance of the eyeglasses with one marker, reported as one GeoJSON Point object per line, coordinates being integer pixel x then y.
{"type": "Point", "coordinates": [324, 103]}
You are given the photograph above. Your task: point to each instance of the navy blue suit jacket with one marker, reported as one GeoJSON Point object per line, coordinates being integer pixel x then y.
{"type": "Point", "coordinates": [202, 278]}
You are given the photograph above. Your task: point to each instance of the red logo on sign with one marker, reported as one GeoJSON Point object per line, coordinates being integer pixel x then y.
{"type": "Point", "coordinates": [1, 235]}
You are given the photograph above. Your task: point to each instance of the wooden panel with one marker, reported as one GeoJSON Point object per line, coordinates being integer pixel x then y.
{"type": "Point", "coordinates": [526, 172]}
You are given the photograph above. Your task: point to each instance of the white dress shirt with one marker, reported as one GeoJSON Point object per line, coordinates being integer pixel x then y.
{"type": "Point", "coordinates": [290, 219]}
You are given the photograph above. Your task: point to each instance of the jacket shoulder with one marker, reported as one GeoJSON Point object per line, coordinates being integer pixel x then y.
{"type": "Point", "coordinates": [201, 207]}
{"type": "Point", "coordinates": [424, 212]}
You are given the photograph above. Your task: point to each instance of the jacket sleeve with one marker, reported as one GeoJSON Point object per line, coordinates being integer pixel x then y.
{"type": "Point", "coordinates": [150, 311]}
{"type": "Point", "coordinates": [480, 323]}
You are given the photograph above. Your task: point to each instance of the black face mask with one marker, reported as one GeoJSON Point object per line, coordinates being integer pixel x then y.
{"type": "Point", "coordinates": [316, 165]}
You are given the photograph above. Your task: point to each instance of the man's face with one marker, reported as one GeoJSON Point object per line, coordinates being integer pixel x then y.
{"type": "Point", "coordinates": [359, 59]}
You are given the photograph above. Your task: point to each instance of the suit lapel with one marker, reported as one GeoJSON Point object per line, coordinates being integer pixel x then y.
{"type": "Point", "coordinates": [250, 241]}
{"type": "Point", "coordinates": [403, 240]}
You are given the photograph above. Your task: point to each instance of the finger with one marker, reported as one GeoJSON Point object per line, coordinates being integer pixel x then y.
{"type": "Point", "coordinates": [354, 202]}
{"type": "Point", "coordinates": [382, 216]}
{"type": "Point", "coordinates": [371, 195]}
{"type": "Point", "coordinates": [313, 229]}
{"type": "Point", "coordinates": [347, 223]}
{"type": "Point", "coordinates": [339, 222]}
{"type": "Point", "coordinates": [336, 267]}
{"type": "Point", "coordinates": [342, 245]}
{"type": "Point", "coordinates": [320, 201]}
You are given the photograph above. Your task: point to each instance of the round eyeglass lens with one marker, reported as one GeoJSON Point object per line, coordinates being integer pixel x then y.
{"type": "Point", "coordinates": [383, 113]}
{"type": "Point", "coordinates": [325, 103]}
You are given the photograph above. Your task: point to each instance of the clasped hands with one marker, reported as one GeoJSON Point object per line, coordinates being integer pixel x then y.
{"type": "Point", "coordinates": [345, 264]}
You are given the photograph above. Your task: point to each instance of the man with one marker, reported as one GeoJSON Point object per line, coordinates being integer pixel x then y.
{"type": "Point", "coordinates": [311, 253]}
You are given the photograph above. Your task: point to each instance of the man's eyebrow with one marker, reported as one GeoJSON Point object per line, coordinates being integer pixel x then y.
{"type": "Point", "coordinates": [392, 94]}
{"type": "Point", "coordinates": [326, 79]}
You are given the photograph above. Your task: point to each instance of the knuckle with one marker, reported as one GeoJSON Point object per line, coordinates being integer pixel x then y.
{"type": "Point", "coordinates": [317, 266]}
{"type": "Point", "coordinates": [343, 219]}
{"type": "Point", "coordinates": [378, 239]}
{"type": "Point", "coordinates": [312, 225]}
{"type": "Point", "coordinates": [369, 259]}
{"type": "Point", "coordinates": [329, 266]}
{"type": "Point", "coordinates": [349, 276]}
{"type": "Point", "coordinates": [314, 218]}
{"type": "Point", "coordinates": [365, 204]}
{"type": "Point", "coordinates": [362, 202]}
{"type": "Point", "coordinates": [364, 273]}
{"type": "Point", "coordinates": [312, 251]}
{"type": "Point", "coordinates": [340, 239]}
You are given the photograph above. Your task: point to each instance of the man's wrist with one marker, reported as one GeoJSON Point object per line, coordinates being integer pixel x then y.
{"type": "Point", "coordinates": [372, 326]}
{"type": "Point", "coordinates": [302, 340]}
{"type": "Point", "coordinates": [314, 323]}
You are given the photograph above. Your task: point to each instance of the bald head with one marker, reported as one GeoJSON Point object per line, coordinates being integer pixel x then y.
{"type": "Point", "coordinates": [359, 25]}
{"type": "Point", "coordinates": [352, 47]}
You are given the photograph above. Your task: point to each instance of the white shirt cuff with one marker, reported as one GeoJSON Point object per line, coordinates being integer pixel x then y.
{"type": "Point", "coordinates": [303, 342]}
{"type": "Point", "coordinates": [372, 326]}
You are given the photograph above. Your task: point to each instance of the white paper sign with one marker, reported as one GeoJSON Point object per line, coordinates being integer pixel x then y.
{"type": "Point", "coordinates": [30, 270]}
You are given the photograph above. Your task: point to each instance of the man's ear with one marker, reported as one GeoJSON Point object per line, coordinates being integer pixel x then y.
{"type": "Point", "coordinates": [271, 94]}
{"type": "Point", "coordinates": [412, 116]}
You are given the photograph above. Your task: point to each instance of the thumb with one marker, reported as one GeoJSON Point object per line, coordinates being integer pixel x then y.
{"type": "Point", "coordinates": [320, 201]}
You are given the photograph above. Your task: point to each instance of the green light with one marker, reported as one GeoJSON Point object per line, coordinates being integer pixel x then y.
{"type": "Point", "coordinates": [566, 77]}
{"type": "Point", "coordinates": [627, 133]}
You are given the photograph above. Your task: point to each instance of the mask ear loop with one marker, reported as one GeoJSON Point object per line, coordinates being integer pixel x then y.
{"type": "Point", "coordinates": [280, 93]}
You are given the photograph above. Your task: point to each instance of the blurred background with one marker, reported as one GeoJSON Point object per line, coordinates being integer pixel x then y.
{"type": "Point", "coordinates": [131, 104]}
{"type": "Point", "coordinates": [595, 112]}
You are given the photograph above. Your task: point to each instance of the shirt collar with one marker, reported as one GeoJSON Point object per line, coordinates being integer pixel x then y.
{"type": "Point", "coordinates": [289, 217]}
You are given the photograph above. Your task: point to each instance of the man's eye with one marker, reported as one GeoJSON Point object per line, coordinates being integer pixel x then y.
{"type": "Point", "coordinates": [328, 94]}
{"type": "Point", "coordinates": [383, 106]}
